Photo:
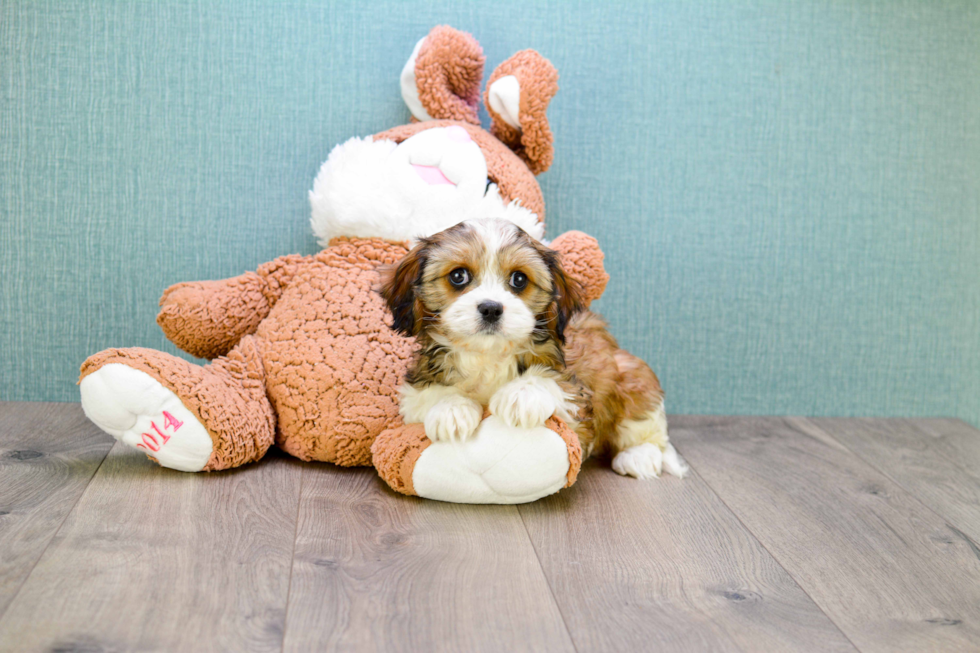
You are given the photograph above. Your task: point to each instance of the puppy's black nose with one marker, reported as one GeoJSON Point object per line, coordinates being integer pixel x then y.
{"type": "Point", "coordinates": [491, 311]}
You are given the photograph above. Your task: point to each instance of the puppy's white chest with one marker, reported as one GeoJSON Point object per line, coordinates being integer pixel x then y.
{"type": "Point", "coordinates": [484, 373]}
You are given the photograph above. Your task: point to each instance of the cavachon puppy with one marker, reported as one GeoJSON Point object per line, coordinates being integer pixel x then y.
{"type": "Point", "coordinates": [499, 324]}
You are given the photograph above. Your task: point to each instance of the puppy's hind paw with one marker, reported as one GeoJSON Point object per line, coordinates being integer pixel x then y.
{"type": "Point", "coordinates": [673, 463]}
{"type": "Point", "coordinates": [453, 418]}
{"type": "Point", "coordinates": [641, 461]}
{"type": "Point", "coordinates": [526, 402]}
{"type": "Point", "coordinates": [647, 461]}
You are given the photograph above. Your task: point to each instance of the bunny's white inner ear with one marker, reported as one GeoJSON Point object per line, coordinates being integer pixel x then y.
{"type": "Point", "coordinates": [410, 92]}
{"type": "Point", "coordinates": [505, 99]}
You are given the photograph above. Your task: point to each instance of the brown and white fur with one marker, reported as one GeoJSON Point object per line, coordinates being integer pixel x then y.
{"type": "Point", "coordinates": [499, 324]}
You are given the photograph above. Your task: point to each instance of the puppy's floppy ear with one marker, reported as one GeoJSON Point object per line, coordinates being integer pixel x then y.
{"type": "Point", "coordinates": [566, 297]}
{"type": "Point", "coordinates": [398, 290]}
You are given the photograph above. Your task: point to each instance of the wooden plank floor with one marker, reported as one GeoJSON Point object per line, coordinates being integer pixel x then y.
{"type": "Point", "coordinates": [790, 534]}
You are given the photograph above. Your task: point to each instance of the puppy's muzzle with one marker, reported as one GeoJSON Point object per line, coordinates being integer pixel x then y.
{"type": "Point", "coordinates": [490, 312]}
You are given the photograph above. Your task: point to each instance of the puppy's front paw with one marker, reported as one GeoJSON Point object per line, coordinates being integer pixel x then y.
{"type": "Point", "coordinates": [453, 418]}
{"type": "Point", "coordinates": [526, 402]}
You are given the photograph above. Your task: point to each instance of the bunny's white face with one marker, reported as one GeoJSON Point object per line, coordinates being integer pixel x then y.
{"type": "Point", "coordinates": [401, 192]}
{"type": "Point", "coordinates": [445, 158]}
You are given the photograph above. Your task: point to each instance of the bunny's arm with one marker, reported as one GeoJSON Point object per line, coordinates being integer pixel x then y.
{"type": "Point", "coordinates": [582, 260]}
{"type": "Point", "coordinates": [207, 318]}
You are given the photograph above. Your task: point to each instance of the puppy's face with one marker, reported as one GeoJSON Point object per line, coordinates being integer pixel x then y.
{"type": "Point", "coordinates": [480, 284]}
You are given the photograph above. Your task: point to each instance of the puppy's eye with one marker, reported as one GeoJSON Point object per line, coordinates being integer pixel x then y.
{"type": "Point", "coordinates": [459, 277]}
{"type": "Point", "coordinates": [518, 280]}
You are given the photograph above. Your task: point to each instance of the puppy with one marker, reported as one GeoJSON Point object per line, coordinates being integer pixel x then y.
{"type": "Point", "coordinates": [499, 324]}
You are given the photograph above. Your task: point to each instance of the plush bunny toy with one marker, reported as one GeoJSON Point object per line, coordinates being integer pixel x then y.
{"type": "Point", "coordinates": [301, 352]}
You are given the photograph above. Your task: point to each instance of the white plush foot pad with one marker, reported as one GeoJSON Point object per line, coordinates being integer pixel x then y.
{"type": "Point", "coordinates": [648, 461]}
{"type": "Point", "coordinates": [498, 464]}
{"type": "Point", "coordinates": [135, 409]}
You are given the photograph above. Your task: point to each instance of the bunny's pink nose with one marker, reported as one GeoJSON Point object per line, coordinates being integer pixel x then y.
{"type": "Point", "coordinates": [457, 134]}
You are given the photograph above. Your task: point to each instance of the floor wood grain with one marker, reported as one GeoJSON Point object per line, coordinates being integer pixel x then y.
{"type": "Point", "coordinates": [937, 460]}
{"type": "Point", "coordinates": [664, 565]}
{"type": "Point", "coordinates": [891, 573]}
{"type": "Point", "coordinates": [48, 454]}
{"type": "Point", "coordinates": [156, 560]}
{"type": "Point", "coordinates": [374, 570]}
{"type": "Point", "coordinates": [790, 535]}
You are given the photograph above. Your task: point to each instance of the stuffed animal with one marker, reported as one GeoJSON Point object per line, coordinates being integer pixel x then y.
{"type": "Point", "coordinates": [301, 350]}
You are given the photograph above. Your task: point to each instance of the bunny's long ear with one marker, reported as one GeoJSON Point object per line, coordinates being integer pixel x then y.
{"type": "Point", "coordinates": [441, 80]}
{"type": "Point", "coordinates": [517, 98]}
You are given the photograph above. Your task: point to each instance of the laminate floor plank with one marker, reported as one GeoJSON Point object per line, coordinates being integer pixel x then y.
{"type": "Point", "coordinates": [156, 560]}
{"type": "Point", "coordinates": [892, 574]}
{"type": "Point", "coordinates": [374, 570]}
{"type": "Point", "coordinates": [937, 460]}
{"type": "Point", "coordinates": [48, 454]}
{"type": "Point", "coordinates": [664, 565]}
{"type": "Point", "coordinates": [791, 534]}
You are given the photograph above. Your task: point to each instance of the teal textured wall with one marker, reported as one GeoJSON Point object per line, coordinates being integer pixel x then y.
{"type": "Point", "coordinates": [788, 192]}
